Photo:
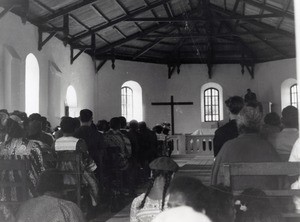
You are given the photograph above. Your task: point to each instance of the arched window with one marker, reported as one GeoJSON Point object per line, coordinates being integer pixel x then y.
{"type": "Point", "coordinates": [294, 95]}
{"type": "Point", "coordinates": [127, 102]}
{"type": "Point", "coordinates": [211, 102]}
{"type": "Point", "coordinates": [32, 84]}
{"type": "Point", "coordinates": [211, 105]}
{"type": "Point", "coordinates": [289, 92]}
{"type": "Point", "coordinates": [71, 102]}
{"type": "Point", "coordinates": [131, 101]}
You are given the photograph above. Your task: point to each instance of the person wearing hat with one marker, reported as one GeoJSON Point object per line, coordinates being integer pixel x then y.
{"type": "Point", "coordinates": [149, 204]}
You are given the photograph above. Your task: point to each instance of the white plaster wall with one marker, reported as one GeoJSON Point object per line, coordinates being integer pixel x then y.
{"type": "Point", "coordinates": [268, 79]}
{"type": "Point", "coordinates": [152, 79]}
{"type": "Point", "coordinates": [24, 39]}
{"type": "Point", "coordinates": [186, 87]}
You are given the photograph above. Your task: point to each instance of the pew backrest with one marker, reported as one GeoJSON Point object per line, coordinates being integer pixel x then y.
{"type": "Point", "coordinates": [281, 169]}
{"type": "Point", "coordinates": [19, 166]}
{"type": "Point", "coordinates": [74, 159]}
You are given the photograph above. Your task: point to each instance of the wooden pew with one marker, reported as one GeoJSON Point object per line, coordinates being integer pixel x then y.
{"type": "Point", "coordinates": [264, 169]}
{"type": "Point", "coordinates": [73, 158]}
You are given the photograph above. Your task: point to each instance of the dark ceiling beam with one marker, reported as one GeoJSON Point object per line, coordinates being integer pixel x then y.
{"type": "Point", "coordinates": [270, 9]}
{"type": "Point", "coordinates": [120, 19]}
{"type": "Point", "coordinates": [254, 22]}
{"type": "Point", "coordinates": [209, 28]}
{"type": "Point", "coordinates": [195, 19]}
{"type": "Point", "coordinates": [245, 48]}
{"type": "Point", "coordinates": [146, 48]}
{"type": "Point", "coordinates": [266, 42]}
{"type": "Point", "coordinates": [195, 35]}
{"type": "Point", "coordinates": [99, 12]}
{"type": "Point", "coordinates": [285, 11]}
{"type": "Point", "coordinates": [130, 38]}
{"type": "Point", "coordinates": [101, 64]}
{"type": "Point", "coordinates": [63, 11]}
{"type": "Point", "coordinates": [233, 60]}
{"type": "Point", "coordinates": [152, 10]}
{"type": "Point", "coordinates": [6, 10]}
{"type": "Point", "coordinates": [120, 32]}
{"type": "Point", "coordinates": [79, 21]}
{"type": "Point", "coordinates": [236, 4]}
{"type": "Point", "coordinates": [121, 5]}
{"type": "Point", "coordinates": [168, 10]}
{"type": "Point", "coordinates": [149, 46]}
{"type": "Point", "coordinates": [43, 6]}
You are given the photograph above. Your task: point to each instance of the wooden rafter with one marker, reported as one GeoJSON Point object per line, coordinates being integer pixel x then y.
{"type": "Point", "coordinates": [129, 38]}
{"type": "Point", "coordinates": [42, 42]}
{"type": "Point", "coordinates": [254, 22]}
{"type": "Point", "coordinates": [63, 11]}
{"type": "Point", "coordinates": [270, 9]}
{"type": "Point", "coordinates": [201, 19]}
{"type": "Point", "coordinates": [101, 64]}
{"type": "Point", "coordinates": [266, 42]}
{"type": "Point", "coordinates": [285, 11]}
{"type": "Point", "coordinates": [146, 48]}
{"type": "Point", "coordinates": [213, 35]}
{"type": "Point", "coordinates": [120, 19]}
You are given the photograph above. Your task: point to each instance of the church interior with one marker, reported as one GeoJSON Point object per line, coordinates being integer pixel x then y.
{"type": "Point", "coordinates": [148, 60]}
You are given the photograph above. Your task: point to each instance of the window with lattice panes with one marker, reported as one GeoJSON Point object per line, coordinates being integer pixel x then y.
{"type": "Point", "coordinates": [127, 102]}
{"type": "Point", "coordinates": [211, 105]}
{"type": "Point", "coordinates": [294, 95]}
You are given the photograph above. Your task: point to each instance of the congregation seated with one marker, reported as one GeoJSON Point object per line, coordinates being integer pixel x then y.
{"type": "Point", "coordinates": [295, 157]}
{"type": "Point", "coordinates": [149, 204]}
{"type": "Point", "coordinates": [272, 125]}
{"type": "Point", "coordinates": [16, 144]}
{"type": "Point", "coordinates": [283, 141]}
{"type": "Point", "coordinates": [49, 205]}
{"type": "Point", "coordinates": [229, 130]}
{"type": "Point", "coordinates": [247, 147]}
{"type": "Point", "coordinates": [93, 139]}
{"type": "Point", "coordinates": [68, 143]}
{"type": "Point", "coordinates": [35, 132]}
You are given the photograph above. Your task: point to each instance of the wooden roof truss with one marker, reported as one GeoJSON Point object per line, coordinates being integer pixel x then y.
{"type": "Point", "coordinates": [171, 32]}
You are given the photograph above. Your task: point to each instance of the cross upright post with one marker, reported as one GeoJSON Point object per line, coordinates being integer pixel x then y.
{"type": "Point", "coordinates": [172, 103]}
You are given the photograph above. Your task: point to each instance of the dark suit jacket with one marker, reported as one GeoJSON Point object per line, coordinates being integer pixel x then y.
{"type": "Point", "coordinates": [227, 132]}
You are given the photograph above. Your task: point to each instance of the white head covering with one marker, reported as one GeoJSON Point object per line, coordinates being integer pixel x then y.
{"type": "Point", "coordinates": [179, 214]}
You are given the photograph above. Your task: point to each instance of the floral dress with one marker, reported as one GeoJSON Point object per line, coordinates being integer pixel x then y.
{"type": "Point", "coordinates": [24, 148]}
{"type": "Point", "coordinates": [150, 210]}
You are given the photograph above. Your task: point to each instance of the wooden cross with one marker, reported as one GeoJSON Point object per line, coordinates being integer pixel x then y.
{"type": "Point", "coordinates": [172, 103]}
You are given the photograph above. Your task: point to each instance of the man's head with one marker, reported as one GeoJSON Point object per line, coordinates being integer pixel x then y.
{"type": "Point", "coordinates": [290, 117]}
{"type": "Point", "coordinates": [86, 116]}
{"type": "Point", "coordinates": [235, 104]}
{"type": "Point", "coordinates": [115, 123]}
{"type": "Point", "coordinates": [68, 125]}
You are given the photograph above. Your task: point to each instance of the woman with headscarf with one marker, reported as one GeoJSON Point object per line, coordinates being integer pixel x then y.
{"type": "Point", "coordinates": [16, 145]}
{"type": "Point", "coordinates": [146, 206]}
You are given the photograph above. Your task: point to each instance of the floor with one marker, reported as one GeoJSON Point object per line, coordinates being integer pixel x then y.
{"type": "Point", "coordinates": [196, 166]}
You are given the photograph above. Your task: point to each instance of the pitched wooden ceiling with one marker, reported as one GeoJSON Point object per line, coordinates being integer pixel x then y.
{"type": "Point", "coordinates": [171, 32]}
